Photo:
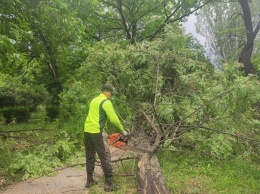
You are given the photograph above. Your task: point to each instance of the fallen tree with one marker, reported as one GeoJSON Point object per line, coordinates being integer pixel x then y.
{"type": "Point", "coordinates": [150, 178]}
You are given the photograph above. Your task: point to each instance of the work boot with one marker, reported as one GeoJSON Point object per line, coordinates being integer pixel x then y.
{"type": "Point", "coordinates": [90, 181]}
{"type": "Point", "coordinates": [109, 186]}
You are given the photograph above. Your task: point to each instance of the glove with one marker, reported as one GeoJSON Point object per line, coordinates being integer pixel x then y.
{"type": "Point", "coordinates": [125, 133]}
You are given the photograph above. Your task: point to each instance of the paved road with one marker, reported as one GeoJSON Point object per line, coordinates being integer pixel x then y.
{"type": "Point", "coordinates": [67, 181]}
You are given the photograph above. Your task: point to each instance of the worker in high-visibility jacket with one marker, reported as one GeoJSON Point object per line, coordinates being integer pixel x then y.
{"type": "Point", "coordinates": [95, 138]}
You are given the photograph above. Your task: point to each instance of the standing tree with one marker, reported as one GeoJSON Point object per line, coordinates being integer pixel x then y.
{"type": "Point", "coordinates": [251, 33]}
{"type": "Point", "coordinates": [42, 39]}
{"type": "Point", "coordinates": [136, 20]}
{"type": "Point", "coordinates": [230, 34]}
{"type": "Point", "coordinates": [222, 29]}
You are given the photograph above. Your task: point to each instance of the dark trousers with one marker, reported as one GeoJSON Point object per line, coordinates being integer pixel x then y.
{"type": "Point", "coordinates": [97, 143]}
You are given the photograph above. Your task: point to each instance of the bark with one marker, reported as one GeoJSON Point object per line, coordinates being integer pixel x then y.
{"type": "Point", "coordinates": [150, 178]}
{"type": "Point", "coordinates": [251, 33]}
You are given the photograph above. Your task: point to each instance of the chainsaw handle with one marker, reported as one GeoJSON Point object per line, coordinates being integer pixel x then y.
{"type": "Point", "coordinates": [126, 138]}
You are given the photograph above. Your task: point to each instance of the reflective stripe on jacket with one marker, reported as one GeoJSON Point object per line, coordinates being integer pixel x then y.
{"type": "Point", "coordinates": [100, 109]}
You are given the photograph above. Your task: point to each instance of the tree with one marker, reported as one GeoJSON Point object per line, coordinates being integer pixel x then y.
{"type": "Point", "coordinates": [47, 37]}
{"type": "Point", "coordinates": [136, 20]}
{"type": "Point", "coordinates": [223, 31]}
{"type": "Point", "coordinates": [227, 38]}
{"type": "Point", "coordinates": [251, 34]}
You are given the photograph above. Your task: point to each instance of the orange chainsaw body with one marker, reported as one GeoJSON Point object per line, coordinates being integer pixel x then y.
{"type": "Point", "coordinates": [117, 140]}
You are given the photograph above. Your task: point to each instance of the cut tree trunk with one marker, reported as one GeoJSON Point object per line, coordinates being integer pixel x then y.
{"type": "Point", "coordinates": [150, 179]}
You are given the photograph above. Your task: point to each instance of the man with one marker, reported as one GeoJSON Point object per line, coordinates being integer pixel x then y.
{"type": "Point", "coordinates": [100, 109]}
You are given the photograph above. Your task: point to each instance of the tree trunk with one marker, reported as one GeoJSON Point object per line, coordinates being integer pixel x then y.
{"type": "Point", "coordinates": [246, 53]}
{"type": "Point", "coordinates": [245, 58]}
{"type": "Point", "coordinates": [150, 179]}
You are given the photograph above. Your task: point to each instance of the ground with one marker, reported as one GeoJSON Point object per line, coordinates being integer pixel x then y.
{"type": "Point", "coordinates": [67, 181]}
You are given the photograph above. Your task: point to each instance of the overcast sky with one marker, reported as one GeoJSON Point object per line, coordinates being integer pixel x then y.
{"type": "Point", "coordinates": [191, 28]}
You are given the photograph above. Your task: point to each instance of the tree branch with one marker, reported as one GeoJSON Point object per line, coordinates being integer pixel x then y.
{"type": "Point", "coordinates": [157, 131]}
{"type": "Point", "coordinates": [216, 131]}
{"type": "Point", "coordinates": [167, 19]}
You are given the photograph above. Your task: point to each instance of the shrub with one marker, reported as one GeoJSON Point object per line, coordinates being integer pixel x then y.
{"type": "Point", "coordinates": [19, 100]}
{"type": "Point", "coordinates": [8, 114]}
{"type": "Point", "coordinates": [21, 114]}
{"type": "Point", "coordinates": [52, 112]}
{"type": "Point", "coordinates": [6, 98]}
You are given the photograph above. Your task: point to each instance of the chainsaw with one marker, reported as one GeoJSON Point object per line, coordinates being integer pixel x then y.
{"type": "Point", "coordinates": [119, 141]}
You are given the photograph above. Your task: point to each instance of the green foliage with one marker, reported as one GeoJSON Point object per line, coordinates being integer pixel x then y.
{"type": "Point", "coordinates": [6, 154]}
{"type": "Point", "coordinates": [219, 146]}
{"type": "Point", "coordinates": [42, 45]}
{"type": "Point", "coordinates": [8, 114]}
{"type": "Point", "coordinates": [256, 61]}
{"type": "Point", "coordinates": [48, 48]}
{"type": "Point", "coordinates": [220, 112]}
{"type": "Point", "coordinates": [42, 159]}
{"type": "Point", "coordinates": [41, 146]}
{"type": "Point", "coordinates": [32, 165]}
{"type": "Point", "coordinates": [30, 96]}
{"type": "Point", "coordinates": [20, 113]}
{"type": "Point", "coordinates": [52, 112]}
{"type": "Point", "coordinates": [18, 100]}
{"type": "Point", "coordinates": [75, 99]}
{"type": "Point", "coordinates": [188, 90]}
{"type": "Point", "coordinates": [134, 20]}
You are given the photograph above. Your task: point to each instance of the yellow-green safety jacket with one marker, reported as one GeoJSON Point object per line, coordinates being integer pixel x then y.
{"type": "Point", "coordinates": [100, 109]}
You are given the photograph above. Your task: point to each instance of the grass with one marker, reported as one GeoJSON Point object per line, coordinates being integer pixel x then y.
{"type": "Point", "coordinates": [125, 178]}
{"type": "Point", "coordinates": [190, 173]}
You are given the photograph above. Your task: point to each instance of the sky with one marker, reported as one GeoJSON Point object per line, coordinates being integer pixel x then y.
{"type": "Point", "coordinates": [191, 28]}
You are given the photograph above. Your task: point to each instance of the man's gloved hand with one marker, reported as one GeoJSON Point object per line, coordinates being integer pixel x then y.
{"type": "Point", "coordinates": [125, 133]}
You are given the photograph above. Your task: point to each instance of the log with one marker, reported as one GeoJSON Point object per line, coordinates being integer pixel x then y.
{"type": "Point", "coordinates": [150, 179]}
